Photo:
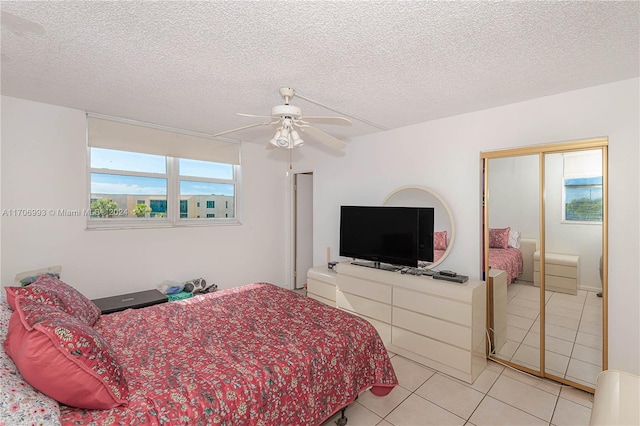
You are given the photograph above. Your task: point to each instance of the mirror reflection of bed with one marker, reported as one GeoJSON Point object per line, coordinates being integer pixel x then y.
{"type": "Point", "coordinates": [444, 228]}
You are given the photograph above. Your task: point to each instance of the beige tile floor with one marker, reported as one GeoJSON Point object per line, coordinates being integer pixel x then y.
{"type": "Point", "coordinates": [499, 396]}
{"type": "Point", "coordinates": [573, 344]}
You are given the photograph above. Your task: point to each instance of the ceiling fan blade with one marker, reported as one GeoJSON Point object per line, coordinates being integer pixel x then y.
{"type": "Point", "coordinates": [244, 127]}
{"type": "Point", "coordinates": [323, 137]}
{"type": "Point", "coordinates": [253, 115]}
{"type": "Point", "coordinates": [338, 121]}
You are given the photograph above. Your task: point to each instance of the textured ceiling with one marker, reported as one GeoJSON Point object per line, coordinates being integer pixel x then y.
{"type": "Point", "coordinates": [193, 65]}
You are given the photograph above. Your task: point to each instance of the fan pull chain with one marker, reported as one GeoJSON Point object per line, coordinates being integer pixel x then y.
{"type": "Point", "coordinates": [290, 165]}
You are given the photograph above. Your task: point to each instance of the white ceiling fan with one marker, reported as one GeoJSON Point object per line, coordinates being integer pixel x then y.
{"type": "Point", "coordinates": [290, 120]}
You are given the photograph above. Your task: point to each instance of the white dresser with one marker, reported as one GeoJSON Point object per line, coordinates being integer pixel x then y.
{"type": "Point", "coordinates": [436, 323]}
{"type": "Point", "coordinates": [562, 272]}
{"type": "Point", "coordinates": [321, 285]}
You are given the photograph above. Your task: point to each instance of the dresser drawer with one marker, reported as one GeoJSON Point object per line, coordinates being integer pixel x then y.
{"type": "Point", "coordinates": [322, 289]}
{"type": "Point", "coordinates": [443, 353]}
{"type": "Point", "coordinates": [327, 302]}
{"type": "Point", "coordinates": [434, 328]}
{"type": "Point", "coordinates": [369, 289]}
{"type": "Point", "coordinates": [366, 307]}
{"type": "Point", "coordinates": [449, 310]}
{"type": "Point", "coordinates": [557, 270]}
{"type": "Point", "coordinates": [383, 329]}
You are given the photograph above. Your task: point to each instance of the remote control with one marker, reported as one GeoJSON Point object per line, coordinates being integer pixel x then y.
{"type": "Point", "coordinates": [448, 273]}
{"type": "Point", "coordinates": [460, 279]}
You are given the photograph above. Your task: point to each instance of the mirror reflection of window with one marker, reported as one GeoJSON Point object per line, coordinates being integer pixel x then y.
{"type": "Point", "coordinates": [582, 190]}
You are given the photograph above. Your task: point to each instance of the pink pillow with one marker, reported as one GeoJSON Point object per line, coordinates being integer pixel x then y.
{"type": "Point", "coordinates": [440, 240]}
{"type": "Point", "coordinates": [499, 238]}
{"type": "Point", "coordinates": [35, 293]}
{"type": "Point", "coordinates": [63, 358]}
{"type": "Point", "coordinates": [52, 291]}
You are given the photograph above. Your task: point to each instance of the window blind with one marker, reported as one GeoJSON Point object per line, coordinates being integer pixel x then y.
{"type": "Point", "coordinates": [583, 163]}
{"type": "Point", "coordinates": [123, 136]}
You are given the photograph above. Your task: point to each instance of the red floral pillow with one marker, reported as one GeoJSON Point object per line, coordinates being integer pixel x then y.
{"type": "Point", "coordinates": [440, 240]}
{"type": "Point", "coordinates": [52, 291]}
{"type": "Point", "coordinates": [64, 358]}
{"type": "Point", "coordinates": [39, 294]}
{"type": "Point", "coordinates": [499, 237]}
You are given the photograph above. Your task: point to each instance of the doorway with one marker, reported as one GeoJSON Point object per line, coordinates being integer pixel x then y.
{"type": "Point", "coordinates": [302, 227]}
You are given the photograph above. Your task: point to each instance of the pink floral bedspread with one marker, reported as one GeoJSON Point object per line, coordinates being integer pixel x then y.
{"type": "Point", "coordinates": [509, 259]}
{"type": "Point", "coordinates": [255, 355]}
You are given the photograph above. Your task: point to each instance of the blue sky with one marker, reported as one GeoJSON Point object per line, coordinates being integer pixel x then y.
{"type": "Point", "coordinates": [105, 183]}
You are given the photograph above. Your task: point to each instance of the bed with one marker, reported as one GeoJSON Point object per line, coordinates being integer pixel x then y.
{"type": "Point", "coordinates": [511, 253]}
{"type": "Point", "coordinates": [507, 259]}
{"type": "Point", "coordinates": [256, 354]}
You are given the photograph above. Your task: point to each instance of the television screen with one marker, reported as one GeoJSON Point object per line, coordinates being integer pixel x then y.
{"type": "Point", "coordinates": [394, 235]}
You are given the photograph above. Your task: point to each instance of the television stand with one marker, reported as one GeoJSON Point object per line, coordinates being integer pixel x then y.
{"type": "Point", "coordinates": [439, 324]}
{"type": "Point", "coordinates": [378, 265]}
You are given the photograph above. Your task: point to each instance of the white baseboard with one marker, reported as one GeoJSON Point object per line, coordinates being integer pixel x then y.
{"type": "Point", "coordinates": [594, 289]}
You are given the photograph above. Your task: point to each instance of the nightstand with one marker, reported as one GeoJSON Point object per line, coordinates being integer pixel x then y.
{"type": "Point", "coordinates": [141, 299]}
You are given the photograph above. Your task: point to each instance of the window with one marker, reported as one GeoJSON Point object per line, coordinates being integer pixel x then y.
{"type": "Point", "coordinates": [142, 187]}
{"type": "Point", "coordinates": [120, 179]}
{"type": "Point", "coordinates": [582, 186]}
{"type": "Point", "coordinates": [184, 209]}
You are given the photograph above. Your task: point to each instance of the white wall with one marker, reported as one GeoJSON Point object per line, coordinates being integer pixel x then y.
{"type": "Point", "coordinates": [44, 158]}
{"type": "Point", "coordinates": [514, 194]}
{"type": "Point", "coordinates": [44, 164]}
{"type": "Point", "coordinates": [581, 239]}
{"type": "Point", "coordinates": [445, 156]}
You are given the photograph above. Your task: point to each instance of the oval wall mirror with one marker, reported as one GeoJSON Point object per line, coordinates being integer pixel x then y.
{"type": "Point", "coordinates": [444, 228]}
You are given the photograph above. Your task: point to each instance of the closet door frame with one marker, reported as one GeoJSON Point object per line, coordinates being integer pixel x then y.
{"type": "Point", "coordinates": [542, 151]}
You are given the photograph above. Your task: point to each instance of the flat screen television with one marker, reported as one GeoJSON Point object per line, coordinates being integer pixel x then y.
{"type": "Point", "coordinates": [387, 235]}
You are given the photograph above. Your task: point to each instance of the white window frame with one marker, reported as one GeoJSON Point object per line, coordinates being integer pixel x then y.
{"type": "Point", "coordinates": [173, 218]}
{"type": "Point", "coordinates": [205, 220]}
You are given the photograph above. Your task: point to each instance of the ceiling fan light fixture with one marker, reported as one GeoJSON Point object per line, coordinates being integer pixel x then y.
{"type": "Point", "coordinates": [283, 138]}
{"type": "Point", "coordinates": [274, 139]}
{"type": "Point", "coordinates": [297, 140]}
{"type": "Point", "coordinates": [289, 120]}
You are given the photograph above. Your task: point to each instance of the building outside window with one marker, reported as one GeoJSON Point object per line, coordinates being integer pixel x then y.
{"type": "Point", "coordinates": [137, 189]}
{"type": "Point", "coordinates": [184, 209]}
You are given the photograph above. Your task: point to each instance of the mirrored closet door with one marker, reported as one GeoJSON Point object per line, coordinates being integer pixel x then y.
{"type": "Point", "coordinates": [545, 256]}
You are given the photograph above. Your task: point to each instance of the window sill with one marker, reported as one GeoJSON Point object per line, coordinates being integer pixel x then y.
{"type": "Point", "coordinates": [188, 223]}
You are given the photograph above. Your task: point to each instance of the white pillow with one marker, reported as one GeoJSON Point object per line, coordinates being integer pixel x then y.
{"type": "Point", "coordinates": [57, 269]}
{"type": "Point", "coordinates": [514, 239]}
